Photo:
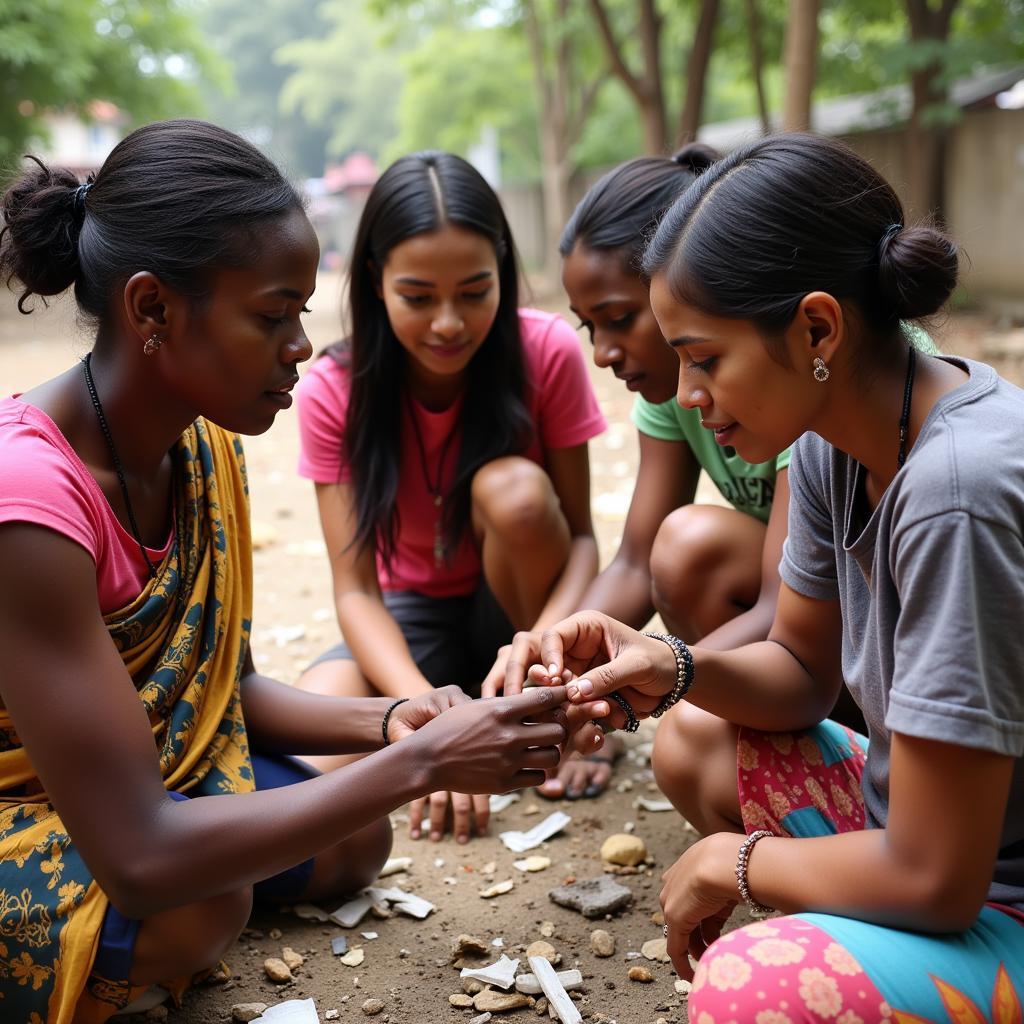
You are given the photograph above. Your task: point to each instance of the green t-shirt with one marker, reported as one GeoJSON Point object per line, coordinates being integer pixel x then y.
{"type": "Point", "coordinates": [747, 487]}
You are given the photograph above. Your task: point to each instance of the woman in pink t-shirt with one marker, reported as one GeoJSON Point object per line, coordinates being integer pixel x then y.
{"type": "Point", "coordinates": [447, 438]}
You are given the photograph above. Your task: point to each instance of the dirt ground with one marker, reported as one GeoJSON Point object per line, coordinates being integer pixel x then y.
{"type": "Point", "coordinates": [406, 964]}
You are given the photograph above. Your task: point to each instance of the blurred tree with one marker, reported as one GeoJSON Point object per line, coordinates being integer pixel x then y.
{"type": "Point", "coordinates": [800, 58]}
{"type": "Point", "coordinates": [249, 36]}
{"type": "Point", "coordinates": [145, 57]}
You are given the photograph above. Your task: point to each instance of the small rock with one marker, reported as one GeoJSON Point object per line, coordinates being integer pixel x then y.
{"type": "Point", "coordinates": [372, 1007]}
{"type": "Point", "coordinates": [483, 1018]}
{"type": "Point", "coordinates": [683, 987]}
{"type": "Point", "coordinates": [353, 958]}
{"type": "Point", "coordinates": [331, 1015]}
{"type": "Point", "coordinates": [497, 889]}
{"type": "Point", "coordinates": [656, 949]}
{"type": "Point", "coordinates": [535, 863]}
{"type": "Point", "coordinates": [274, 934]}
{"type": "Point", "coordinates": [461, 1000]}
{"type": "Point", "coordinates": [593, 897]}
{"type": "Point", "coordinates": [245, 1012]}
{"type": "Point", "coordinates": [469, 945]}
{"type": "Point", "coordinates": [309, 912]}
{"type": "Point", "coordinates": [602, 943]}
{"type": "Point", "coordinates": [639, 973]}
{"type": "Point", "coordinates": [471, 986]}
{"type": "Point", "coordinates": [658, 918]}
{"type": "Point", "coordinates": [292, 959]}
{"type": "Point", "coordinates": [277, 970]}
{"type": "Point", "coordinates": [531, 809]}
{"type": "Point", "coordinates": [546, 950]}
{"type": "Point", "coordinates": [489, 868]}
{"type": "Point", "coordinates": [490, 1001]}
{"type": "Point", "coordinates": [624, 849]}
{"type": "Point", "coordinates": [542, 1006]}
{"type": "Point", "coordinates": [547, 929]}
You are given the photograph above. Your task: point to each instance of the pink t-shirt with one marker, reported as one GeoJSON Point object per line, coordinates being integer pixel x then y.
{"type": "Point", "coordinates": [43, 481]}
{"type": "Point", "coordinates": [560, 400]}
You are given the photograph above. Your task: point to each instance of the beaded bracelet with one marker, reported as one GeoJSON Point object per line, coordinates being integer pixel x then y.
{"type": "Point", "coordinates": [684, 672]}
{"type": "Point", "coordinates": [742, 860]}
{"type": "Point", "coordinates": [632, 722]}
{"type": "Point", "coordinates": [387, 718]}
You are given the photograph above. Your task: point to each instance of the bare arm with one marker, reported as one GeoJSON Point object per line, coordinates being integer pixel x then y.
{"type": "Point", "coordinates": [569, 469]}
{"type": "Point", "coordinates": [370, 631]}
{"type": "Point", "coordinates": [666, 479]}
{"type": "Point", "coordinates": [754, 624]}
{"type": "Point", "coordinates": [74, 705]}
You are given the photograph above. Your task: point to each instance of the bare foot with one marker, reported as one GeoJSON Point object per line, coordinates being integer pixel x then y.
{"type": "Point", "coordinates": [580, 776]}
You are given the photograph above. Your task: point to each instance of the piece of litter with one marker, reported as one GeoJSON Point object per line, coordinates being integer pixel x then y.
{"type": "Point", "coordinates": [483, 1018]}
{"type": "Point", "coordinates": [530, 984]}
{"type": "Point", "coordinates": [534, 863]}
{"type": "Point", "coordinates": [394, 865]}
{"type": "Point", "coordinates": [501, 973]}
{"type": "Point", "coordinates": [498, 942]}
{"type": "Point", "coordinates": [348, 915]}
{"type": "Point", "coordinates": [520, 842]}
{"type": "Point", "coordinates": [368, 935]}
{"type": "Point", "coordinates": [683, 987]}
{"type": "Point", "coordinates": [500, 801]}
{"type": "Point", "coordinates": [339, 945]}
{"type": "Point", "coordinates": [308, 912]}
{"type": "Point", "coordinates": [497, 889]}
{"type": "Point", "coordinates": [404, 902]}
{"type": "Point", "coordinates": [629, 826]}
{"type": "Point", "coordinates": [558, 998]}
{"type": "Point", "coordinates": [654, 806]}
{"type": "Point", "coordinates": [293, 1011]}
{"type": "Point", "coordinates": [282, 635]}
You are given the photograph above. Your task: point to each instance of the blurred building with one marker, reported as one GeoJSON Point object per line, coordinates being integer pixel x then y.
{"type": "Point", "coordinates": [336, 202]}
{"type": "Point", "coordinates": [80, 140]}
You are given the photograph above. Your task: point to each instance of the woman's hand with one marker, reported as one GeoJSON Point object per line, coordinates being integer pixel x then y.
{"type": "Point", "coordinates": [417, 711]}
{"type": "Point", "coordinates": [698, 896]}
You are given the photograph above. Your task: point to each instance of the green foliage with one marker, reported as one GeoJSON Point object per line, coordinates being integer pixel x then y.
{"type": "Point", "coordinates": [143, 55]}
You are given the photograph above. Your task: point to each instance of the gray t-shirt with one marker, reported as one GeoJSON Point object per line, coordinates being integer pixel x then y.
{"type": "Point", "coordinates": [931, 587]}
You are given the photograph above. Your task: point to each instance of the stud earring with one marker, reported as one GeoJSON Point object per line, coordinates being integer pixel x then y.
{"type": "Point", "coordinates": [152, 344]}
{"type": "Point", "coordinates": [821, 370]}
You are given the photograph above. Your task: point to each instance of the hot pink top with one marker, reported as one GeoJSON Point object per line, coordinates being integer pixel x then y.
{"type": "Point", "coordinates": [43, 481]}
{"type": "Point", "coordinates": [560, 400]}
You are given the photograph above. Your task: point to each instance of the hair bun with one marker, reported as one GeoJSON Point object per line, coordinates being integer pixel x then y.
{"type": "Point", "coordinates": [696, 157]}
{"type": "Point", "coordinates": [39, 243]}
{"type": "Point", "coordinates": [917, 270]}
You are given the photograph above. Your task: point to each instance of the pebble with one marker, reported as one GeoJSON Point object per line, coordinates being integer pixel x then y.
{"type": "Point", "coordinates": [353, 958]}
{"type": "Point", "coordinates": [498, 889]}
{"type": "Point", "coordinates": [331, 1015]}
{"type": "Point", "coordinates": [542, 1006]}
{"type": "Point", "coordinates": [547, 929]}
{"type": "Point", "coordinates": [275, 934]}
{"type": "Point", "coordinates": [535, 863]}
{"type": "Point", "coordinates": [639, 973]}
{"type": "Point", "coordinates": [372, 1007]}
{"type": "Point", "coordinates": [490, 1001]}
{"type": "Point", "coordinates": [292, 959]}
{"type": "Point", "coordinates": [593, 897]}
{"type": "Point", "coordinates": [531, 809]}
{"type": "Point", "coordinates": [244, 1012]}
{"type": "Point", "coordinates": [546, 950]}
{"type": "Point", "coordinates": [656, 949]}
{"type": "Point", "coordinates": [461, 1001]}
{"type": "Point", "coordinates": [602, 943]}
{"type": "Point", "coordinates": [658, 918]}
{"type": "Point", "coordinates": [683, 987]}
{"type": "Point", "coordinates": [622, 848]}
{"type": "Point", "coordinates": [483, 1018]}
{"type": "Point", "coordinates": [471, 986]}
{"type": "Point", "coordinates": [469, 945]}
{"type": "Point", "coordinates": [489, 868]}
{"type": "Point", "coordinates": [277, 970]}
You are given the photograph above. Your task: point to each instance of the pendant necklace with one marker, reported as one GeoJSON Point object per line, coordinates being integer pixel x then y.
{"type": "Point", "coordinates": [434, 486]}
{"type": "Point", "coordinates": [90, 384]}
{"type": "Point", "coordinates": [908, 390]}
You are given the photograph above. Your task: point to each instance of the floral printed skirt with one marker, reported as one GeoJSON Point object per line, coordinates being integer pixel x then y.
{"type": "Point", "coordinates": [820, 967]}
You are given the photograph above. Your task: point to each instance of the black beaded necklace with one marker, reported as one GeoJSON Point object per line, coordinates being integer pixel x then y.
{"type": "Point", "coordinates": [104, 427]}
{"type": "Point", "coordinates": [908, 390]}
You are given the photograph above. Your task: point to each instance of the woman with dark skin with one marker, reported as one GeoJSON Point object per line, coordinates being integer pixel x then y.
{"type": "Point", "coordinates": [781, 279]}
{"type": "Point", "coordinates": [126, 604]}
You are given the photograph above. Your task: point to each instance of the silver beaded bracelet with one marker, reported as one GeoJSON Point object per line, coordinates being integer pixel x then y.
{"type": "Point", "coordinates": [742, 860]}
{"type": "Point", "coordinates": [684, 672]}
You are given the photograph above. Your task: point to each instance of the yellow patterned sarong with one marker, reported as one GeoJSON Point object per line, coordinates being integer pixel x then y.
{"type": "Point", "coordinates": [183, 640]}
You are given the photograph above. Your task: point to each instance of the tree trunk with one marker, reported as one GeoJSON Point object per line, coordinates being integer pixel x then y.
{"type": "Point", "coordinates": [801, 52]}
{"type": "Point", "coordinates": [697, 71]}
{"type": "Point", "coordinates": [926, 145]}
{"type": "Point", "coordinates": [757, 64]}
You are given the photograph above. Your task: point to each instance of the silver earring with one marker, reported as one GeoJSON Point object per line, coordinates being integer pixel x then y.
{"type": "Point", "coordinates": [821, 370]}
{"type": "Point", "coordinates": [152, 344]}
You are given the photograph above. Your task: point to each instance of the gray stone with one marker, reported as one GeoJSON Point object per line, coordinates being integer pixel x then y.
{"type": "Point", "coordinates": [244, 1012]}
{"type": "Point", "coordinates": [593, 897]}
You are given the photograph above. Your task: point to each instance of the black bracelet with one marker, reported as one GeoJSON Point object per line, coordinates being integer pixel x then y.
{"type": "Point", "coordinates": [684, 672]}
{"type": "Point", "coordinates": [632, 722]}
{"type": "Point", "coordinates": [387, 718]}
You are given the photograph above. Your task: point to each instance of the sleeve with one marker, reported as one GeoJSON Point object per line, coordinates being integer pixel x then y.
{"type": "Point", "coordinates": [783, 459]}
{"type": "Point", "coordinates": [568, 413]}
{"type": "Point", "coordinates": [957, 664]}
{"type": "Point", "coordinates": [322, 399]}
{"type": "Point", "coordinates": [38, 485]}
{"type": "Point", "coordinates": [659, 421]}
{"type": "Point", "coordinates": [809, 553]}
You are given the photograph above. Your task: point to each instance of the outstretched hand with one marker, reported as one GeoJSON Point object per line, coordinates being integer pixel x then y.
{"type": "Point", "coordinates": [423, 708]}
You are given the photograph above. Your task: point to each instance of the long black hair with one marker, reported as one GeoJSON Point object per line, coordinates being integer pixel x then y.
{"type": "Point", "coordinates": [178, 198]}
{"type": "Point", "coordinates": [621, 210]}
{"type": "Point", "coordinates": [417, 194]}
{"type": "Point", "coordinates": [792, 214]}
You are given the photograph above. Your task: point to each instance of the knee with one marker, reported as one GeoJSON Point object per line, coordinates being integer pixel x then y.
{"type": "Point", "coordinates": [685, 547]}
{"type": "Point", "coordinates": [352, 864]}
{"type": "Point", "coordinates": [513, 498]}
{"type": "Point", "coordinates": [683, 748]}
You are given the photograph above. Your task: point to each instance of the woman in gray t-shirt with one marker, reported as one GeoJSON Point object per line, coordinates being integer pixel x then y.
{"type": "Point", "coordinates": [780, 278]}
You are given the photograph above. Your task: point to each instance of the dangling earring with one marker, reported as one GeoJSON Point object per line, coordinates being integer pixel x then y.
{"type": "Point", "coordinates": [821, 370]}
{"type": "Point", "coordinates": [152, 344]}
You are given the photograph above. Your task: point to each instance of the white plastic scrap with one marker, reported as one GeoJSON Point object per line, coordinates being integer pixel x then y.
{"type": "Point", "coordinates": [348, 915]}
{"type": "Point", "coordinates": [308, 912]}
{"type": "Point", "coordinates": [394, 865]}
{"type": "Point", "coordinates": [404, 902]}
{"type": "Point", "coordinates": [654, 806]}
{"type": "Point", "coordinates": [501, 973]}
{"type": "Point", "coordinates": [520, 842]}
{"type": "Point", "coordinates": [499, 801]}
{"type": "Point", "coordinates": [558, 998]}
{"type": "Point", "coordinates": [294, 1011]}
{"type": "Point", "coordinates": [529, 984]}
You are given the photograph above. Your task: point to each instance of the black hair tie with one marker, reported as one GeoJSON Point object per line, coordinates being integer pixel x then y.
{"type": "Point", "coordinates": [890, 233]}
{"type": "Point", "coordinates": [78, 199]}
